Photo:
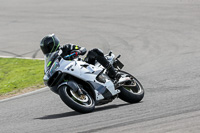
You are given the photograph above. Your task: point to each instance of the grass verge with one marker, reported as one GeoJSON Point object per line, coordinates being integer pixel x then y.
{"type": "Point", "coordinates": [18, 74]}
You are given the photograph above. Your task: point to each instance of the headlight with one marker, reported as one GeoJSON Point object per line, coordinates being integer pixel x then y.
{"type": "Point", "coordinates": [54, 67]}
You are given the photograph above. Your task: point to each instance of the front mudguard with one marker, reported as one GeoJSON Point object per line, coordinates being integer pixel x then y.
{"type": "Point", "coordinates": [72, 85]}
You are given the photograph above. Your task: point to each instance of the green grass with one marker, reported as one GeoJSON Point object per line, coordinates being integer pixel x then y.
{"type": "Point", "coordinates": [17, 74]}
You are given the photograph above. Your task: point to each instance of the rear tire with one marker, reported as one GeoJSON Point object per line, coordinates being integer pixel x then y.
{"type": "Point", "coordinates": [84, 104]}
{"type": "Point", "coordinates": [131, 95]}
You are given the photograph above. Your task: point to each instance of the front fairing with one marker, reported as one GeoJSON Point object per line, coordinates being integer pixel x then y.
{"type": "Point", "coordinates": [50, 66]}
{"type": "Point", "coordinates": [55, 65]}
{"type": "Point", "coordinates": [79, 69]}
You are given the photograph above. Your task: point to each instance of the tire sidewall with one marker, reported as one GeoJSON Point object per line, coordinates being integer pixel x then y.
{"type": "Point", "coordinates": [129, 97]}
{"type": "Point", "coordinates": [72, 104]}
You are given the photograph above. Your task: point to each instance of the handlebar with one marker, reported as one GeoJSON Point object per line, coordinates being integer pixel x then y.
{"type": "Point", "coordinates": [70, 55]}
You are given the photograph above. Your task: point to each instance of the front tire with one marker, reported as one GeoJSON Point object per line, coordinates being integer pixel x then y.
{"type": "Point", "coordinates": [83, 104]}
{"type": "Point", "coordinates": [134, 94]}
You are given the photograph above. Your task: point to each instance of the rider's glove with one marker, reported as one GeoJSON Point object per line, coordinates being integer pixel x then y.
{"type": "Point", "coordinates": [65, 48]}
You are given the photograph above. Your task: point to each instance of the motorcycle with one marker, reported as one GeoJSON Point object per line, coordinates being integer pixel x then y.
{"type": "Point", "coordinates": [82, 86]}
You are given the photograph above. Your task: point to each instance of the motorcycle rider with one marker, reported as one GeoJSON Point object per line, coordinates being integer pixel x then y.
{"type": "Point", "coordinates": [52, 50]}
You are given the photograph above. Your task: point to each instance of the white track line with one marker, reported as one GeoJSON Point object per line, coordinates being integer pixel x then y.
{"type": "Point", "coordinates": [25, 94]}
{"type": "Point", "coordinates": [21, 57]}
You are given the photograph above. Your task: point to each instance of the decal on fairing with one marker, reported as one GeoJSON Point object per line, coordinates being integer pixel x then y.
{"type": "Point", "coordinates": [101, 89]}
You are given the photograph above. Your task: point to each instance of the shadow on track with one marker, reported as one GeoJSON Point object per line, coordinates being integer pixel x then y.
{"type": "Point", "coordinates": [61, 115]}
{"type": "Point", "coordinates": [109, 107]}
{"type": "Point", "coordinates": [74, 113]}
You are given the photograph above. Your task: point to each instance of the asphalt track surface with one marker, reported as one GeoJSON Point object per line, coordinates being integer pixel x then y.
{"type": "Point", "coordinates": [159, 43]}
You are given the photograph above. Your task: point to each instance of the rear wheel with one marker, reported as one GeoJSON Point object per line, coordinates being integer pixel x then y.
{"type": "Point", "coordinates": [80, 103]}
{"type": "Point", "coordinates": [131, 91]}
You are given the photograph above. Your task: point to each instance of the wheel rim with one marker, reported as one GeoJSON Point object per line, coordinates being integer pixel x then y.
{"type": "Point", "coordinates": [83, 100]}
{"type": "Point", "coordinates": [137, 87]}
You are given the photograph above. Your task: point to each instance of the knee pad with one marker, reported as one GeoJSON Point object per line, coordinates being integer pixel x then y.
{"type": "Point", "coordinates": [98, 51]}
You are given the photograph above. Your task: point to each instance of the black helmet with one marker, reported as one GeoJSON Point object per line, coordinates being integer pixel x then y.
{"type": "Point", "coordinates": [49, 44]}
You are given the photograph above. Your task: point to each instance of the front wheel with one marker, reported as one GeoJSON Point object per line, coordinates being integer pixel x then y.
{"type": "Point", "coordinates": [131, 91]}
{"type": "Point", "coordinates": [82, 104]}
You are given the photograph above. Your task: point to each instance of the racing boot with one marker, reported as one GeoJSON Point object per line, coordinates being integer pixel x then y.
{"type": "Point", "coordinates": [112, 73]}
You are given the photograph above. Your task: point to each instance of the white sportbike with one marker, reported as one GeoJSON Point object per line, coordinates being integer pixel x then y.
{"type": "Point", "coordinates": [82, 86]}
